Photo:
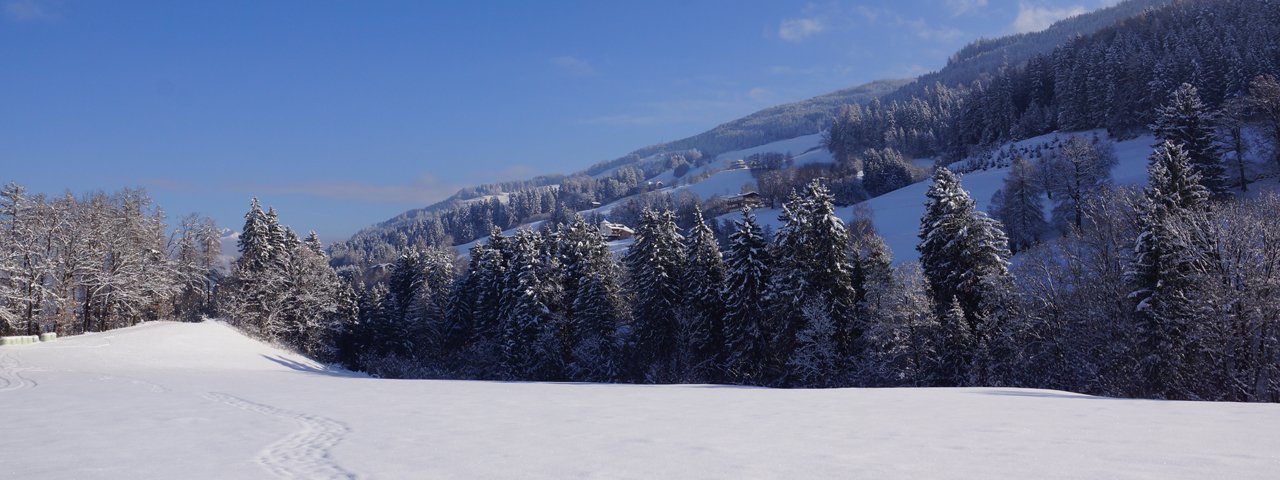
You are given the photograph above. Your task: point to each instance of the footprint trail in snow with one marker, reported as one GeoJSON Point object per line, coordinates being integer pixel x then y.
{"type": "Point", "coordinates": [302, 454]}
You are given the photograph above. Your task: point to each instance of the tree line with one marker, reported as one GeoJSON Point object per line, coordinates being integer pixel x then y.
{"type": "Point", "coordinates": [95, 262]}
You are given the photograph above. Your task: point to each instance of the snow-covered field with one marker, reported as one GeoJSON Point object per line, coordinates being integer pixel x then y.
{"type": "Point", "coordinates": [172, 400]}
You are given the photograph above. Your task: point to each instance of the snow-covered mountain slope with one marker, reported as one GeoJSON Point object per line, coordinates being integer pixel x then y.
{"type": "Point", "coordinates": [807, 149]}
{"type": "Point", "coordinates": [175, 400]}
{"type": "Point", "coordinates": [896, 214]}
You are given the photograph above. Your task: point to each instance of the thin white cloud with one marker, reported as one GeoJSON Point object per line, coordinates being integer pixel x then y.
{"type": "Point", "coordinates": [961, 7]}
{"type": "Point", "coordinates": [1033, 18]}
{"type": "Point", "coordinates": [573, 65]}
{"type": "Point", "coordinates": [26, 11]}
{"type": "Point", "coordinates": [798, 29]}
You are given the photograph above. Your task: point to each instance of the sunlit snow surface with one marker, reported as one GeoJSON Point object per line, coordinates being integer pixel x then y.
{"type": "Point", "coordinates": [172, 400]}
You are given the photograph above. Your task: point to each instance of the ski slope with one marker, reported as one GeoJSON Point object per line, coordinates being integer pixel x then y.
{"type": "Point", "coordinates": [200, 401]}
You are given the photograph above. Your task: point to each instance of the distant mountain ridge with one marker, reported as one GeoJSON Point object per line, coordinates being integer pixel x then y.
{"type": "Point", "coordinates": [977, 61]}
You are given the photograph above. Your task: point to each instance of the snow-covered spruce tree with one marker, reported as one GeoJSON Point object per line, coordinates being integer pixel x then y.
{"type": "Point", "coordinates": [530, 337]}
{"type": "Point", "coordinates": [316, 303]}
{"type": "Point", "coordinates": [257, 285]}
{"type": "Point", "coordinates": [1080, 170]}
{"type": "Point", "coordinates": [655, 263]}
{"type": "Point", "coordinates": [439, 265]}
{"type": "Point", "coordinates": [418, 286]}
{"type": "Point", "coordinates": [884, 171]}
{"type": "Point", "coordinates": [787, 284]}
{"type": "Point", "coordinates": [458, 331]}
{"type": "Point", "coordinates": [829, 267]}
{"type": "Point", "coordinates": [871, 274]}
{"type": "Point", "coordinates": [749, 354]}
{"type": "Point", "coordinates": [1189, 123]}
{"type": "Point", "coordinates": [965, 258]}
{"type": "Point", "coordinates": [490, 262]}
{"type": "Point", "coordinates": [365, 342]}
{"type": "Point", "coordinates": [594, 305]}
{"type": "Point", "coordinates": [812, 249]}
{"type": "Point", "coordinates": [282, 289]}
{"type": "Point", "coordinates": [578, 244]}
{"type": "Point", "coordinates": [404, 303]}
{"type": "Point", "coordinates": [598, 311]}
{"type": "Point", "coordinates": [1164, 271]}
{"type": "Point", "coordinates": [956, 344]}
{"type": "Point", "coordinates": [704, 277]}
{"type": "Point", "coordinates": [1019, 206]}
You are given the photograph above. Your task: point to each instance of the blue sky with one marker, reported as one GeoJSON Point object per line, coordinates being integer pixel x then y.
{"type": "Point", "coordinates": [344, 113]}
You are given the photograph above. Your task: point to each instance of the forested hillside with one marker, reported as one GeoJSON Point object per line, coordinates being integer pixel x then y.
{"type": "Point", "coordinates": [920, 110]}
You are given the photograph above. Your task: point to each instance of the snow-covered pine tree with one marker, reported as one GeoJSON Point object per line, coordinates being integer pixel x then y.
{"type": "Point", "coordinates": [704, 277]}
{"type": "Point", "coordinates": [655, 263]}
{"type": "Point", "coordinates": [404, 295]}
{"type": "Point", "coordinates": [747, 331]}
{"type": "Point", "coordinates": [956, 346]}
{"type": "Point", "coordinates": [877, 290]}
{"type": "Point", "coordinates": [812, 249]}
{"type": "Point", "coordinates": [1188, 122]}
{"type": "Point", "coordinates": [1019, 205]}
{"type": "Point", "coordinates": [459, 329]}
{"type": "Point", "coordinates": [598, 309]}
{"type": "Point", "coordinates": [884, 171]}
{"type": "Point", "coordinates": [258, 281]}
{"type": "Point", "coordinates": [491, 262]}
{"type": "Point", "coordinates": [530, 340]}
{"type": "Point", "coordinates": [1164, 271]}
{"type": "Point", "coordinates": [965, 258]}
{"type": "Point", "coordinates": [594, 305]}
{"type": "Point", "coordinates": [255, 240]}
{"type": "Point", "coordinates": [872, 272]}
{"type": "Point", "coordinates": [787, 284]}
{"type": "Point", "coordinates": [314, 304]}
{"type": "Point", "coordinates": [829, 267]}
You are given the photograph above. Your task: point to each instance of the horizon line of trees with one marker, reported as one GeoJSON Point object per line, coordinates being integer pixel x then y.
{"type": "Point", "coordinates": [100, 261]}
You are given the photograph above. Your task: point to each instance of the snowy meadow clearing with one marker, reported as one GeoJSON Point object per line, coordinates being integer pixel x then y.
{"type": "Point", "coordinates": [182, 400]}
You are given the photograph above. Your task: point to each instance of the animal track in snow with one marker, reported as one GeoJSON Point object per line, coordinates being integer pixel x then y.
{"type": "Point", "coordinates": [302, 454]}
